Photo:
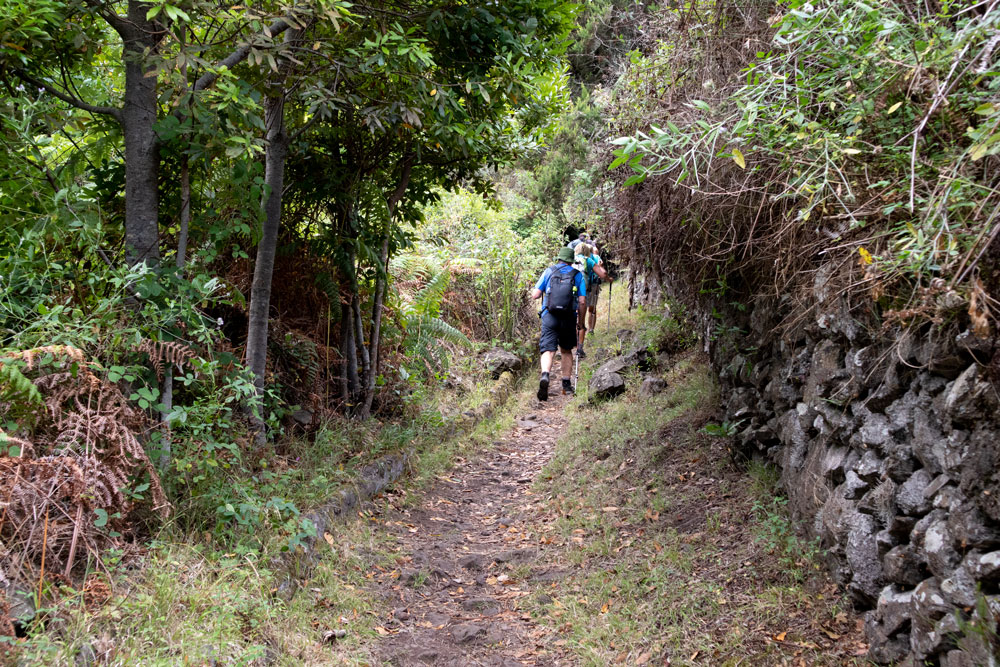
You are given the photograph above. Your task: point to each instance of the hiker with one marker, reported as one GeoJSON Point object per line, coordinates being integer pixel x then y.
{"type": "Point", "coordinates": [589, 263]}
{"type": "Point", "coordinates": [563, 291]}
{"type": "Point", "coordinates": [582, 238]}
{"type": "Point", "coordinates": [570, 234]}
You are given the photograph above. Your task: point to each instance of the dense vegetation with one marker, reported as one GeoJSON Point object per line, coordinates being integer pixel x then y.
{"type": "Point", "coordinates": [243, 245]}
{"type": "Point", "coordinates": [758, 140]}
{"type": "Point", "coordinates": [209, 238]}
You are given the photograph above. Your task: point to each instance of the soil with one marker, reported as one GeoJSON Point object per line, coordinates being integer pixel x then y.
{"type": "Point", "coordinates": [477, 554]}
{"type": "Point", "coordinates": [467, 554]}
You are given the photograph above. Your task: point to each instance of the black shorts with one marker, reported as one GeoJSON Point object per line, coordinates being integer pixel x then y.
{"type": "Point", "coordinates": [557, 332]}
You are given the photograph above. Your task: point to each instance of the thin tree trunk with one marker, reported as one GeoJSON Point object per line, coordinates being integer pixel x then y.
{"type": "Point", "coordinates": [142, 160]}
{"type": "Point", "coordinates": [167, 397]}
{"type": "Point", "coordinates": [359, 325]}
{"type": "Point", "coordinates": [381, 283]}
{"type": "Point", "coordinates": [167, 400]}
{"type": "Point", "coordinates": [348, 351]}
{"type": "Point", "coordinates": [373, 342]}
{"type": "Point", "coordinates": [348, 326]}
{"type": "Point", "coordinates": [182, 235]}
{"type": "Point", "coordinates": [260, 293]}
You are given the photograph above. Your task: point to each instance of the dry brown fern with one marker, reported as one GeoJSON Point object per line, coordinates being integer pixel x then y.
{"type": "Point", "coordinates": [57, 351]}
{"type": "Point", "coordinates": [81, 454]}
{"type": "Point", "coordinates": [166, 352]}
{"type": "Point", "coordinates": [6, 624]}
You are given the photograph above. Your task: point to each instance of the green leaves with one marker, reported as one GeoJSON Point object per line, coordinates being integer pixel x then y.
{"type": "Point", "coordinates": [173, 12]}
{"type": "Point", "coordinates": [14, 386]}
{"type": "Point", "coordinates": [145, 396]}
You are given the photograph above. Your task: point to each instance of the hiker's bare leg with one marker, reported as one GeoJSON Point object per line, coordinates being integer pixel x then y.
{"type": "Point", "coordinates": [566, 363]}
{"type": "Point", "coordinates": [593, 317]}
{"type": "Point", "coordinates": [547, 361]}
{"type": "Point", "coordinates": [581, 335]}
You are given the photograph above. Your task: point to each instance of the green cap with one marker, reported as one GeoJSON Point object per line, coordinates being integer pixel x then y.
{"type": "Point", "coordinates": [566, 255]}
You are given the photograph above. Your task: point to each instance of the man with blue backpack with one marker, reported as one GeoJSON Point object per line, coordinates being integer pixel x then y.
{"type": "Point", "coordinates": [563, 291]}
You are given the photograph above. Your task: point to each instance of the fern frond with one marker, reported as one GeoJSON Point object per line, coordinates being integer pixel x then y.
{"type": "Point", "coordinates": [14, 385]}
{"type": "Point", "coordinates": [329, 287]}
{"type": "Point", "coordinates": [411, 266]}
{"type": "Point", "coordinates": [428, 299]}
{"type": "Point", "coordinates": [169, 351]}
{"type": "Point", "coordinates": [29, 356]}
{"type": "Point", "coordinates": [439, 330]}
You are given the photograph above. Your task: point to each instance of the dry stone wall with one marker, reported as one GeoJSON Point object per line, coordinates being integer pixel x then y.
{"type": "Point", "coordinates": [889, 449]}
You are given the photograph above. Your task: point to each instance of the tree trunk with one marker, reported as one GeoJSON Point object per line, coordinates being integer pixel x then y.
{"type": "Point", "coordinates": [167, 400]}
{"type": "Point", "coordinates": [142, 160]}
{"type": "Point", "coordinates": [348, 351]}
{"type": "Point", "coordinates": [381, 282]}
{"type": "Point", "coordinates": [260, 292]}
{"type": "Point", "coordinates": [359, 325]}
{"type": "Point", "coordinates": [182, 235]}
{"type": "Point", "coordinates": [364, 412]}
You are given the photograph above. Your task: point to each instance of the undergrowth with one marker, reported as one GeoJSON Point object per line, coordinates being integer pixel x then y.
{"type": "Point", "coordinates": [786, 134]}
{"type": "Point", "coordinates": [196, 597]}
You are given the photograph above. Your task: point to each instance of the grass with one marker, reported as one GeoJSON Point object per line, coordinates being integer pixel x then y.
{"type": "Point", "coordinates": [191, 598]}
{"type": "Point", "coordinates": [673, 552]}
{"type": "Point", "coordinates": [191, 604]}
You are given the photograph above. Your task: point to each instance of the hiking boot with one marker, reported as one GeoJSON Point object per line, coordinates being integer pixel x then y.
{"type": "Point", "coordinates": [543, 387]}
{"type": "Point", "coordinates": [581, 354]}
{"type": "Point", "coordinates": [567, 386]}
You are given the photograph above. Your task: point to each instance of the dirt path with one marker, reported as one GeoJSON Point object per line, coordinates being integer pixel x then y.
{"type": "Point", "coordinates": [457, 596]}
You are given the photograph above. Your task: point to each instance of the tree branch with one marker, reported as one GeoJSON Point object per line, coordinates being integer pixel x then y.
{"type": "Point", "coordinates": [237, 56]}
{"type": "Point", "coordinates": [404, 182]}
{"type": "Point", "coordinates": [123, 27]}
{"type": "Point", "coordinates": [114, 112]}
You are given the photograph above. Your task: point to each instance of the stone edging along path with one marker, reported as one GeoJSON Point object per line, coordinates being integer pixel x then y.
{"type": "Point", "coordinates": [372, 479]}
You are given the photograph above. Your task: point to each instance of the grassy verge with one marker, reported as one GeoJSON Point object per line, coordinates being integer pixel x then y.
{"type": "Point", "coordinates": [207, 597]}
{"type": "Point", "coordinates": [672, 553]}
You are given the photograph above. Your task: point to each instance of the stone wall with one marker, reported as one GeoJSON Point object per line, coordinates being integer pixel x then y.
{"type": "Point", "coordinates": [889, 449]}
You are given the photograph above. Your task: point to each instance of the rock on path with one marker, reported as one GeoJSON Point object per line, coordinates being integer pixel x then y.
{"type": "Point", "coordinates": [456, 594]}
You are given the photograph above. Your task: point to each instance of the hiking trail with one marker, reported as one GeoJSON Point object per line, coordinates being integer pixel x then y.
{"type": "Point", "coordinates": [619, 534]}
{"type": "Point", "coordinates": [456, 596]}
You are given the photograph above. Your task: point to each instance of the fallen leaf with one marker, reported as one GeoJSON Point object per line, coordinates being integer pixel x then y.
{"type": "Point", "coordinates": [605, 607]}
{"type": "Point", "coordinates": [644, 658]}
{"type": "Point", "coordinates": [738, 158]}
{"type": "Point", "coordinates": [780, 636]}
